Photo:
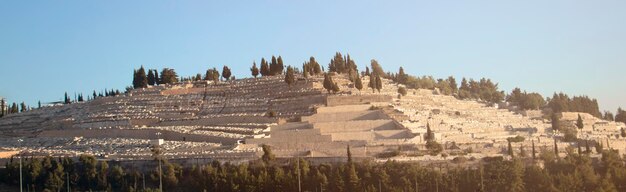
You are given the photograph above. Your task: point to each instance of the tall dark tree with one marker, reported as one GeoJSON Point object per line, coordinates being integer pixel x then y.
{"type": "Point", "coordinates": [556, 124]}
{"type": "Point", "coordinates": [372, 83]}
{"type": "Point", "coordinates": [314, 67]}
{"type": "Point", "coordinates": [328, 82]}
{"type": "Point", "coordinates": [358, 83]}
{"type": "Point", "coordinates": [280, 67]}
{"type": "Point", "coordinates": [290, 76]}
{"type": "Point", "coordinates": [401, 77]}
{"type": "Point", "coordinates": [157, 81]}
{"type": "Point", "coordinates": [579, 122]}
{"type": "Point", "coordinates": [2, 107]}
{"type": "Point", "coordinates": [620, 116]}
{"type": "Point", "coordinates": [14, 108]}
{"type": "Point", "coordinates": [376, 68]}
{"type": "Point", "coordinates": [168, 76]}
{"type": "Point", "coordinates": [226, 72]}
{"type": "Point", "coordinates": [273, 66]}
{"type": "Point", "coordinates": [367, 71]}
{"type": "Point", "coordinates": [430, 136]}
{"type": "Point", "coordinates": [67, 99]}
{"type": "Point", "coordinates": [23, 107]}
{"type": "Point", "coordinates": [254, 70]}
{"type": "Point", "coordinates": [151, 79]}
{"type": "Point", "coordinates": [510, 149]}
{"type": "Point", "coordinates": [533, 150]}
{"type": "Point", "coordinates": [212, 75]}
{"type": "Point", "coordinates": [379, 83]}
{"type": "Point", "coordinates": [140, 80]}
{"type": "Point", "coordinates": [265, 68]}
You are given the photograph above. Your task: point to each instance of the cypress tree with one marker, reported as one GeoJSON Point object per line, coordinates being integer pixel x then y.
{"type": "Point", "coordinates": [151, 80]}
{"type": "Point", "coordinates": [254, 70]}
{"type": "Point", "coordinates": [556, 124]}
{"type": "Point", "coordinates": [556, 149]}
{"type": "Point", "coordinates": [280, 67]}
{"type": "Point", "coordinates": [273, 66]}
{"type": "Point", "coordinates": [14, 108]}
{"type": "Point", "coordinates": [587, 147]}
{"type": "Point", "coordinates": [305, 71]}
{"type": "Point", "coordinates": [289, 77]}
{"type": "Point", "coordinates": [2, 108]}
{"type": "Point", "coordinates": [140, 80]}
{"type": "Point", "coordinates": [358, 84]}
{"type": "Point", "coordinates": [510, 149]}
{"type": "Point", "coordinates": [328, 82]}
{"type": "Point", "coordinates": [379, 83]}
{"type": "Point", "coordinates": [372, 83]}
{"type": "Point", "coordinates": [168, 76]}
{"type": "Point", "coordinates": [265, 68]}
{"type": "Point", "coordinates": [429, 133]}
{"type": "Point", "coordinates": [226, 72]}
{"type": "Point", "coordinates": [67, 99]}
{"type": "Point", "coordinates": [157, 81]}
{"type": "Point", "coordinates": [23, 107]}
{"type": "Point", "coordinates": [533, 143]}
{"type": "Point", "coordinates": [579, 122]}
{"type": "Point", "coordinates": [401, 78]}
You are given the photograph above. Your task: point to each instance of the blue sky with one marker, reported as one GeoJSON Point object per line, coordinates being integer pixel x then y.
{"type": "Point", "coordinates": [574, 46]}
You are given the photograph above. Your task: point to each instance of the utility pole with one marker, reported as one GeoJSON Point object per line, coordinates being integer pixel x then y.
{"type": "Point", "coordinates": [20, 157]}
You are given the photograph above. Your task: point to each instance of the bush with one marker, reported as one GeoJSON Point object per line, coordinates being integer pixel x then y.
{"type": "Point", "coordinates": [271, 113]}
{"type": "Point", "coordinates": [433, 147]}
{"type": "Point", "coordinates": [516, 139]}
{"type": "Point", "coordinates": [388, 154]}
{"type": "Point", "coordinates": [402, 91]}
{"type": "Point", "coordinates": [459, 160]}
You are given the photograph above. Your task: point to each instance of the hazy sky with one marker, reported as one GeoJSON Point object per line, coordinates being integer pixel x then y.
{"type": "Point", "coordinates": [574, 46]}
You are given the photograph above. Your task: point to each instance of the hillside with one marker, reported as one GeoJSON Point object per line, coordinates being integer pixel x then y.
{"type": "Point", "coordinates": [233, 119]}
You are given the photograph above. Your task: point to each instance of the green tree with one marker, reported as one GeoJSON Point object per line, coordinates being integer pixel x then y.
{"type": "Point", "coordinates": [510, 150]}
{"type": "Point", "coordinates": [402, 91]}
{"type": "Point", "coordinates": [268, 156]}
{"type": "Point", "coordinates": [14, 108]}
{"type": "Point", "coordinates": [168, 76]}
{"type": "Point", "coordinates": [140, 80]}
{"type": "Point", "coordinates": [23, 107]}
{"type": "Point", "coordinates": [67, 99]}
{"type": "Point", "coordinates": [579, 122]}
{"type": "Point", "coordinates": [254, 70]}
{"type": "Point", "coordinates": [280, 67]}
{"type": "Point", "coordinates": [151, 80]}
{"type": "Point", "coordinates": [379, 83]}
{"type": "Point", "coordinates": [377, 70]}
{"type": "Point", "coordinates": [290, 77]}
{"type": "Point", "coordinates": [212, 75]}
{"type": "Point", "coordinates": [157, 81]}
{"type": "Point", "coordinates": [358, 84]}
{"type": "Point", "coordinates": [556, 124]}
{"type": "Point", "coordinates": [274, 67]}
{"type": "Point", "coordinates": [328, 82]}
{"type": "Point", "coordinates": [265, 68]}
{"type": "Point", "coordinates": [226, 73]}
